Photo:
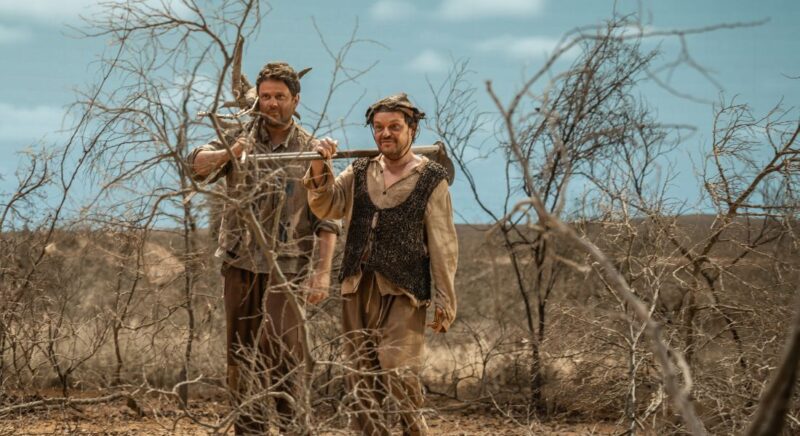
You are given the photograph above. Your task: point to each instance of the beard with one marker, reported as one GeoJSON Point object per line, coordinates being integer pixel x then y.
{"type": "Point", "coordinates": [398, 153]}
{"type": "Point", "coordinates": [276, 120]}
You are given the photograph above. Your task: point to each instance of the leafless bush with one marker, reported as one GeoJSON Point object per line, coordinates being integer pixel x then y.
{"type": "Point", "coordinates": [592, 293]}
{"type": "Point", "coordinates": [700, 291]}
{"type": "Point", "coordinates": [128, 302]}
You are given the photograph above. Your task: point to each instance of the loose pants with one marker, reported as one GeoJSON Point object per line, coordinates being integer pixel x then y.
{"type": "Point", "coordinates": [384, 346]}
{"type": "Point", "coordinates": [265, 351]}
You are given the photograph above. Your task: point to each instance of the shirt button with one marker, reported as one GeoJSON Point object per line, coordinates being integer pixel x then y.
{"type": "Point", "coordinates": [384, 192]}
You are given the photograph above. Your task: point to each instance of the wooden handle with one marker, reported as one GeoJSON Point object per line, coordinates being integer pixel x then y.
{"type": "Point", "coordinates": [342, 154]}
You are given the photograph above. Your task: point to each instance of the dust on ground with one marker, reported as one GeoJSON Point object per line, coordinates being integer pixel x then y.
{"type": "Point", "coordinates": [115, 418]}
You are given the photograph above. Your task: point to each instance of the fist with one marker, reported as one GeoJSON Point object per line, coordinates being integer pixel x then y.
{"type": "Point", "coordinates": [316, 296]}
{"type": "Point", "coordinates": [243, 144]}
{"type": "Point", "coordinates": [318, 285]}
{"type": "Point", "coordinates": [326, 147]}
{"type": "Point", "coordinates": [438, 321]}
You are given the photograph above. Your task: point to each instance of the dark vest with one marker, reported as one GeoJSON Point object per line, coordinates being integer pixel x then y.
{"type": "Point", "coordinates": [395, 237]}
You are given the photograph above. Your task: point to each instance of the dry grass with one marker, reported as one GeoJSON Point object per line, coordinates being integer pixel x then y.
{"type": "Point", "coordinates": [477, 373]}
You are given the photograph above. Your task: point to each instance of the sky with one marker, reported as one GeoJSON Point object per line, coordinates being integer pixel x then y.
{"type": "Point", "coordinates": [415, 43]}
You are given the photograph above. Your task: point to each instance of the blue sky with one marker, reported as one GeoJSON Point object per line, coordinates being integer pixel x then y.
{"type": "Point", "coordinates": [43, 63]}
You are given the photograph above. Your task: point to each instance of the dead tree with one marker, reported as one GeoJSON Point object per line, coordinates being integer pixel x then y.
{"type": "Point", "coordinates": [593, 104]}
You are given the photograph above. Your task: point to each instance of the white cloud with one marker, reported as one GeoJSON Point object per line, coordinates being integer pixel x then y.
{"type": "Point", "coordinates": [47, 12]}
{"type": "Point", "coordinates": [460, 10]}
{"type": "Point", "coordinates": [386, 10]}
{"type": "Point", "coordinates": [12, 35]}
{"type": "Point", "coordinates": [524, 48]}
{"type": "Point", "coordinates": [429, 61]}
{"type": "Point", "coordinates": [59, 12]}
{"type": "Point", "coordinates": [19, 123]}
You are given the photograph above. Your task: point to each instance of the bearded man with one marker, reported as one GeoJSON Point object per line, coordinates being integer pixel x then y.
{"type": "Point", "coordinates": [265, 338]}
{"type": "Point", "coordinates": [401, 244]}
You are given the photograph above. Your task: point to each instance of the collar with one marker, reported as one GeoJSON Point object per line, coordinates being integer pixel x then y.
{"type": "Point", "coordinates": [417, 168]}
{"type": "Point", "coordinates": [264, 135]}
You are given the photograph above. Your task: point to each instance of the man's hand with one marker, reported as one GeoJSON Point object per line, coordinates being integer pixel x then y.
{"type": "Point", "coordinates": [326, 147]}
{"type": "Point", "coordinates": [243, 144]}
{"type": "Point", "coordinates": [209, 160]}
{"type": "Point", "coordinates": [317, 286]}
{"type": "Point", "coordinates": [438, 320]}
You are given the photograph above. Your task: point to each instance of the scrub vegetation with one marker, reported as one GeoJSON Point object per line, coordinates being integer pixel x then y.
{"type": "Point", "coordinates": [593, 302]}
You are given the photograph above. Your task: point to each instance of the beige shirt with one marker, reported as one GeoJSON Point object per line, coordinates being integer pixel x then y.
{"type": "Point", "coordinates": [334, 200]}
{"type": "Point", "coordinates": [277, 197]}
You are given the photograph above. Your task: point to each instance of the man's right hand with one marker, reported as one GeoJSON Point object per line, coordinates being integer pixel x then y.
{"type": "Point", "coordinates": [243, 144]}
{"type": "Point", "coordinates": [205, 162]}
{"type": "Point", "coordinates": [326, 147]}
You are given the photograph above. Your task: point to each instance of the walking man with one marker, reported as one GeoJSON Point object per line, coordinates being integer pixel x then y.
{"type": "Point", "coordinates": [400, 257]}
{"type": "Point", "coordinates": [265, 337]}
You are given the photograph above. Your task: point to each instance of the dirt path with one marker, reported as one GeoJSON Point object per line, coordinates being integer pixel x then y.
{"type": "Point", "coordinates": [116, 419]}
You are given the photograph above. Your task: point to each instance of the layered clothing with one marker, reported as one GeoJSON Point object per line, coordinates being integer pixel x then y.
{"type": "Point", "coordinates": [265, 335]}
{"type": "Point", "coordinates": [401, 239]}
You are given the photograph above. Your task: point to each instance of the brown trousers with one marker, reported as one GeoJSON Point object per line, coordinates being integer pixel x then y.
{"type": "Point", "coordinates": [384, 346]}
{"type": "Point", "coordinates": [264, 351]}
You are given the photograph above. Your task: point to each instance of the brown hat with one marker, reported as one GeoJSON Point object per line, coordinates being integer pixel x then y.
{"type": "Point", "coordinates": [398, 102]}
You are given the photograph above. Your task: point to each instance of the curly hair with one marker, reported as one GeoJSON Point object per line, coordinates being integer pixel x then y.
{"type": "Point", "coordinates": [280, 71]}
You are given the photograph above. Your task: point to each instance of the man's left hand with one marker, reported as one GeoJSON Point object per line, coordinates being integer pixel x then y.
{"type": "Point", "coordinates": [438, 321]}
{"type": "Point", "coordinates": [317, 286]}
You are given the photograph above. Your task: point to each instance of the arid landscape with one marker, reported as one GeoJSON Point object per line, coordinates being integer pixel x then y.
{"type": "Point", "coordinates": [611, 288]}
{"type": "Point", "coordinates": [445, 418]}
{"type": "Point", "coordinates": [477, 375]}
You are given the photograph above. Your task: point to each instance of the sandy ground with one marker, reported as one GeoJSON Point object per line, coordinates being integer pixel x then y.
{"type": "Point", "coordinates": [451, 418]}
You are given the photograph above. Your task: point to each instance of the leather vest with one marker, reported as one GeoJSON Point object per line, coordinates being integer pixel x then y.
{"type": "Point", "coordinates": [391, 241]}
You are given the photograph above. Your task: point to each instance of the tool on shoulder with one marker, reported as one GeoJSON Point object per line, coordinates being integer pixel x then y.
{"type": "Point", "coordinates": [436, 152]}
{"type": "Point", "coordinates": [246, 99]}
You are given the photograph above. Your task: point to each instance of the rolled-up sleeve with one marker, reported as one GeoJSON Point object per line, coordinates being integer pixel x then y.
{"type": "Point", "coordinates": [333, 198]}
{"type": "Point", "coordinates": [443, 250]}
{"type": "Point", "coordinates": [214, 175]}
{"type": "Point", "coordinates": [230, 136]}
{"type": "Point", "coordinates": [330, 226]}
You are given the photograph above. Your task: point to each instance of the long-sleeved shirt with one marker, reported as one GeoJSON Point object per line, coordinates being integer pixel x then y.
{"type": "Point", "coordinates": [333, 199]}
{"type": "Point", "coordinates": [277, 197]}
